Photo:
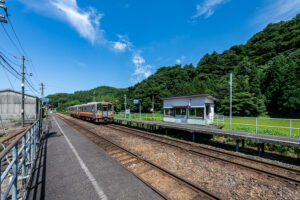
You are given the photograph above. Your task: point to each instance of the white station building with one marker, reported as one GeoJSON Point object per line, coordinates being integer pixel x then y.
{"type": "Point", "coordinates": [190, 109]}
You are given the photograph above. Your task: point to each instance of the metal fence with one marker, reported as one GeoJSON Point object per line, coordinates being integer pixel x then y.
{"type": "Point", "coordinates": [16, 162]}
{"type": "Point", "coordinates": [274, 126]}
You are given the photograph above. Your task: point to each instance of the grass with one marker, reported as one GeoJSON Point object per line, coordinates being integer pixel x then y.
{"type": "Point", "coordinates": [143, 116]}
{"type": "Point", "coordinates": [265, 125]}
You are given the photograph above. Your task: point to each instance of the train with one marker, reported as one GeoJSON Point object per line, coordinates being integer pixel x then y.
{"type": "Point", "coordinates": [93, 111]}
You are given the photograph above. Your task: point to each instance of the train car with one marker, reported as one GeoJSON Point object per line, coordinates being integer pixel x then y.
{"type": "Point", "coordinates": [94, 111]}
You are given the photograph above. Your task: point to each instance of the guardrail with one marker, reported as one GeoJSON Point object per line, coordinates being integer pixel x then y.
{"type": "Point", "coordinates": [18, 159]}
{"type": "Point", "coordinates": [274, 126]}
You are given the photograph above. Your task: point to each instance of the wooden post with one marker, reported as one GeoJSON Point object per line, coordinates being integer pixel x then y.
{"type": "Point", "coordinates": [237, 145]}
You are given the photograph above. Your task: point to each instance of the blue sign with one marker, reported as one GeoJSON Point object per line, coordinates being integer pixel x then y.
{"type": "Point", "coordinates": [127, 112]}
{"type": "Point", "coordinates": [135, 101]}
{"type": "Point", "coordinates": [45, 100]}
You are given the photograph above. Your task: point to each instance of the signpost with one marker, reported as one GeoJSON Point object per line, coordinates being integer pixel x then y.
{"type": "Point", "coordinates": [136, 101]}
{"type": "Point", "coordinates": [46, 100]}
{"type": "Point", "coordinates": [127, 112]}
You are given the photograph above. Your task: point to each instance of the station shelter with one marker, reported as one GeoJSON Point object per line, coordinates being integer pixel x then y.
{"type": "Point", "coordinates": [190, 109]}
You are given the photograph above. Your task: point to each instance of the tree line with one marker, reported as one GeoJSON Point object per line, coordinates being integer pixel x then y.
{"type": "Point", "coordinates": [266, 78]}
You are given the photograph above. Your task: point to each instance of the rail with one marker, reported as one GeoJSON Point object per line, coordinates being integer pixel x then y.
{"type": "Point", "coordinates": [18, 159]}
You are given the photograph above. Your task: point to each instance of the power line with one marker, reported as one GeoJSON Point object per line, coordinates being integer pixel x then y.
{"type": "Point", "coordinates": [13, 74]}
{"type": "Point", "coordinates": [13, 29]}
{"type": "Point", "coordinates": [8, 59]}
{"type": "Point", "coordinates": [11, 85]}
{"type": "Point", "coordinates": [31, 87]}
{"type": "Point", "coordinates": [10, 65]}
{"type": "Point", "coordinates": [14, 44]}
{"type": "Point", "coordinates": [20, 44]}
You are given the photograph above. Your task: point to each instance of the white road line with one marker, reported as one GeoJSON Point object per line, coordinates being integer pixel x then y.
{"type": "Point", "coordinates": [92, 179]}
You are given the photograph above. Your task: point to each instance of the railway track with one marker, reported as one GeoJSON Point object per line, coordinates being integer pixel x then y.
{"type": "Point", "coordinates": [167, 184]}
{"type": "Point", "coordinates": [270, 169]}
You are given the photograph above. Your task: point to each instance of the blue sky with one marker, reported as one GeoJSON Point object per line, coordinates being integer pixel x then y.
{"type": "Point", "coordinates": [82, 44]}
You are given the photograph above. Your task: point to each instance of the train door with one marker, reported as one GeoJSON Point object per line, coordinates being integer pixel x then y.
{"type": "Point", "coordinates": [99, 109]}
{"type": "Point", "coordinates": [104, 111]}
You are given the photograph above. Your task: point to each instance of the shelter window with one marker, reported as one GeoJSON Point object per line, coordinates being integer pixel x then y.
{"type": "Point", "coordinates": [199, 112]}
{"type": "Point", "coordinates": [167, 111]}
{"type": "Point", "coordinates": [171, 112]}
{"type": "Point", "coordinates": [183, 111]}
{"type": "Point", "coordinates": [178, 111]}
{"type": "Point", "coordinates": [192, 112]}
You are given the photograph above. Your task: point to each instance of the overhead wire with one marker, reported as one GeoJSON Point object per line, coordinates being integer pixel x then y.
{"type": "Point", "coordinates": [7, 69]}
{"type": "Point", "coordinates": [19, 41]}
{"type": "Point", "coordinates": [7, 58]}
{"type": "Point", "coordinates": [13, 29]}
{"type": "Point", "coordinates": [20, 44]}
{"type": "Point", "coordinates": [14, 44]}
{"type": "Point", "coordinates": [10, 65]}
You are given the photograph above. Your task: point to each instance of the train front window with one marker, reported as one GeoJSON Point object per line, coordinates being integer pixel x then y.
{"type": "Point", "coordinates": [99, 107]}
{"type": "Point", "coordinates": [104, 108]}
{"type": "Point", "coordinates": [109, 107]}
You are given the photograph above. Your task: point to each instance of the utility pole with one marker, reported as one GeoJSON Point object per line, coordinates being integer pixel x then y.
{"type": "Point", "coordinates": [125, 104]}
{"type": "Point", "coordinates": [42, 89]}
{"type": "Point", "coordinates": [2, 17]}
{"type": "Point", "coordinates": [23, 91]}
{"type": "Point", "coordinates": [23, 88]}
{"type": "Point", "coordinates": [230, 83]}
{"type": "Point", "coordinates": [42, 96]}
{"type": "Point", "coordinates": [140, 110]}
{"type": "Point", "coordinates": [152, 107]}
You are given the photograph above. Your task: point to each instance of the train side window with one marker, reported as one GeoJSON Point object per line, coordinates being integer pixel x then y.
{"type": "Point", "coordinates": [99, 107]}
{"type": "Point", "coordinates": [110, 107]}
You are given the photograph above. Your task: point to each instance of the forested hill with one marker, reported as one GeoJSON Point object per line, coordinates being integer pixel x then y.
{"type": "Point", "coordinates": [266, 76]}
{"type": "Point", "coordinates": [102, 93]}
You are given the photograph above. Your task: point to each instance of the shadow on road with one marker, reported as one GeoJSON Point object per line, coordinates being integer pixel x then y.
{"type": "Point", "coordinates": [37, 185]}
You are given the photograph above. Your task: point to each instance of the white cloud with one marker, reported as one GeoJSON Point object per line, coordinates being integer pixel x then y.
{"type": "Point", "coordinates": [207, 8]}
{"type": "Point", "coordinates": [180, 60]}
{"type": "Point", "coordinates": [87, 23]}
{"type": "Point", "coordinates": [119, 46]}
{"type": "Point", "coordinates": [277, 10]}
{"type": "Point", "coordinates": [138, 60]}
{"type": "Point", "coordinates": [142, 70]}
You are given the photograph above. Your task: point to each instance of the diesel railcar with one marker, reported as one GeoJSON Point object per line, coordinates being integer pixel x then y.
{"type": "Point", "coordinates": [94, 111]}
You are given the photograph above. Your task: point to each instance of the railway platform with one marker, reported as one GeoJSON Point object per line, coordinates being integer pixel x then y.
{"type": "Point", "coordinates": [260, 139]}
{"type": "Point", "coordinates": [70, 166]}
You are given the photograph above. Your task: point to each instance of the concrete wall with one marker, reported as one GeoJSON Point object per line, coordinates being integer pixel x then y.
{"type": "Point", "coordinates": [188, 120]}
{"type": "Point", "coordinates": [195, 101]}
{"type": "Point", "coordinates": [10, 106]}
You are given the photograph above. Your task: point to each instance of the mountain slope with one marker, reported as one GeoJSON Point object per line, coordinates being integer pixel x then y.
{"type": "Point", "coordinates": [266, 77]}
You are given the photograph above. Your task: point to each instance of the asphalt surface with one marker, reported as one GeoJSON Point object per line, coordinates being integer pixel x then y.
{"type": "Point", "coordinates": [89, 173]}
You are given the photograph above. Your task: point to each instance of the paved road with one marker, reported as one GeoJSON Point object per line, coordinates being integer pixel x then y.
{"type": "Point", "coordinates": [72, 167]}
